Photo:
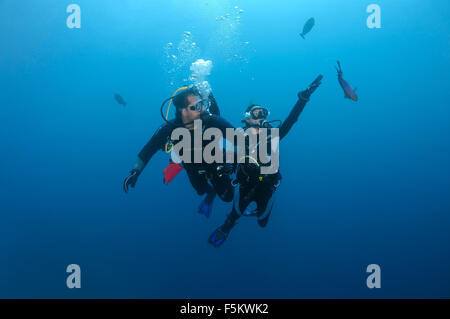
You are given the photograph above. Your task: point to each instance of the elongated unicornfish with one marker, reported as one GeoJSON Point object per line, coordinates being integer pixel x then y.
{"type": "Point", "coordinates": [350, 93]}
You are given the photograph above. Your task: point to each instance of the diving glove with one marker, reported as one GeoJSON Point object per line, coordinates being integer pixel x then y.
{"type": "Point", "coordinates": [304, 95]}
{"type": "Point", "coordinates": [131, 180]}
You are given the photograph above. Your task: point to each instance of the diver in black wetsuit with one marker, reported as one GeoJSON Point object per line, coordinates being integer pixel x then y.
{"type": "Point", "coordinates": [210, 179]}
{"type": "Point", "coordinates": [254, 186]}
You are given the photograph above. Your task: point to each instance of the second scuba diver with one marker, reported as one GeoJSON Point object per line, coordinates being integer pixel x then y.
{"type": "Point", "coordinates": [210, 179]}
{"type": "Point", "coordinates": [254, 186]}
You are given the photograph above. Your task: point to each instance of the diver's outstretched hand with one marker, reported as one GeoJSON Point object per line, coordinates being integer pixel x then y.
{"type": "Point", "coordinates": [304, 95]}
{"type": "Point", "coordinates": [130, 180]}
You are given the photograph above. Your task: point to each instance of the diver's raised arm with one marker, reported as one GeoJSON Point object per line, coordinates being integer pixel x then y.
{"type": "Point", "coordinates": [303, 98]}
{"type": "Point", "coordinates": [156, 143]}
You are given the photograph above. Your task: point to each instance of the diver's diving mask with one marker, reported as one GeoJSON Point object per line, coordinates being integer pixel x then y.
{"type": "Point", "coordinates": [257, 113]}
{"type": "Point", "coordinates": [199, 105]}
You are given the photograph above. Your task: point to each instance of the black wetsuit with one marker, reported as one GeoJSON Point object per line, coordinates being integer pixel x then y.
{"type": "Point", "coordinates": [258, 188]}
{"type": "Point", "coordinates": [200, 173]}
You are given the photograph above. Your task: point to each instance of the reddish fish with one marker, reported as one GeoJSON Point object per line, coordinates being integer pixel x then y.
{"type": "Point", "coordinates": [350, 93]}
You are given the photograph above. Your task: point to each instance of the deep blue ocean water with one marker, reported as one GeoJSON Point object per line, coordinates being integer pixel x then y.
{"type": "Point", "coordinates": [363, 183]}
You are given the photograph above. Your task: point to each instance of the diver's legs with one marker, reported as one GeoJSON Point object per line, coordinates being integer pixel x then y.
{"type": "Point", "coordinates": [224, 187]}
{"type": "Point", "coordinates": [206, 205]}
{"type": "Point", "coordinates": [240, 203]}
{"type": "Point", "coordinates": [219, 236]}
{"type": "Point", "coordinates": [201, 185]}
{"type": "Point", "coordinates": [231, 220]}
{"type": "Point", "coordinates": [264, 200]}
{"type": "Point", "coordinates": [198, 181]}
{"type": "Point", "coordinates": [244, 196]}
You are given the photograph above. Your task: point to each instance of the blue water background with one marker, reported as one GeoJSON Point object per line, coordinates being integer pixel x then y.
{"type": "Point", "coordinates": [363, 183]}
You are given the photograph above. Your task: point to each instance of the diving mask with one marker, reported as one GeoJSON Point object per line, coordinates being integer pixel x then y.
{"type": "Point", "coordinates": [199, 105]}
{"type": "Point", "coordinates": [257, 113]}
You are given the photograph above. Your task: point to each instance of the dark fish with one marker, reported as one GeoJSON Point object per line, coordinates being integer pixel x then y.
{"type": "Point", "coordinates": [120, 99]}
{"type": "Point", "coordinates": [307, 27]}
{"type": "Point", "coordinates": [350, 93]}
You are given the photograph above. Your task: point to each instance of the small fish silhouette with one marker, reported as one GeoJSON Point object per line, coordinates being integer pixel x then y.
{"type": "Point", "coordinates": [308, 27]}
{"type": "Point", "coordinates": [120, 99]}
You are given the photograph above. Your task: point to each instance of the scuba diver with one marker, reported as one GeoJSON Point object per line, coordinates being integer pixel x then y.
{"type": "Point", "coordinates": [210, 179]}
{"type": "Point", "coordinates": [254, 186]}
